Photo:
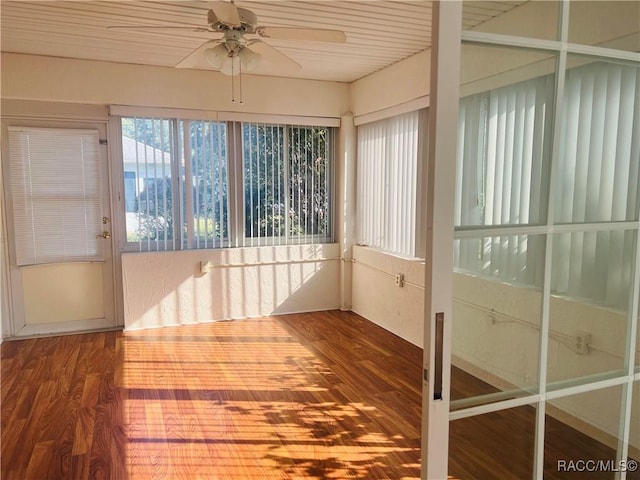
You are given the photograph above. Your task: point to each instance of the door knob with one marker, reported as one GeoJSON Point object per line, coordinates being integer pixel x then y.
{"type": "Point", "coordinates": [104, 234]}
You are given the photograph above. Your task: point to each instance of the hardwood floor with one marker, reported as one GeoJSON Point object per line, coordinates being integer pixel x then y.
{"type": "Point", "coordinates": [313, 396]}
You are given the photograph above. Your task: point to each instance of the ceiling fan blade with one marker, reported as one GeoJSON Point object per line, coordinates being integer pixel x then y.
{"type": "Point", "coordinates": [273, 56]}
{"type": "Point", "coordinates": [308, 34]}
{"type": "Point", "coordinates": [226, 12]}
{"type": "Point", "coordinates": [196, 58]}
{"type": "Point", "coordinates": [193, 28]}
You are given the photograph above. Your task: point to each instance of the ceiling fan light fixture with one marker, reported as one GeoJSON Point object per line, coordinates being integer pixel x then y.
{"type": "Point", "coordinates": [250, 59]}
{"type": "Point", "coordinates": [217, 56]}
{"type": "Point", "coordinates": [231, 66]}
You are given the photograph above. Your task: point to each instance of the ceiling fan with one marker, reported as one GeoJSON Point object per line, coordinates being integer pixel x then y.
{"type": "Point", "coordinates": [238, 50]}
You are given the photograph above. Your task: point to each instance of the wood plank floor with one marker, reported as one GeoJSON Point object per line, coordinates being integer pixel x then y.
{"type": "Point", "coordinates": [310, 396]}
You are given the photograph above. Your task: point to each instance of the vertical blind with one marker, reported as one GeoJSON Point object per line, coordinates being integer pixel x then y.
{"type": "Point", "coordinates": [598, 178]}
{"type": "Point", "coordinates": [56, 195]}
{"type": "Point", "coordinates": [600, 145]}
{"type": "Point", "coordinates": [502, 155]}
{"type": "Point", "coordinates": [503, 171]}
{"type": "Point", "coordinates": [387, 183]}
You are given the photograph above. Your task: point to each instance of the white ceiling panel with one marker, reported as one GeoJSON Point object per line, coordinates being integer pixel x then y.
{"type": "Point", "coordinates": [379, 32]}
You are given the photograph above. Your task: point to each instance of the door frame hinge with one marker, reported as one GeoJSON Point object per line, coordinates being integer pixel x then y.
{"type": "Point", "coordinates": [103, 141]}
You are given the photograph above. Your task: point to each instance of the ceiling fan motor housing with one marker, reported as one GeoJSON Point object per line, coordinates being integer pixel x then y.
{"type": "Point", "coordinates": [248, 22]}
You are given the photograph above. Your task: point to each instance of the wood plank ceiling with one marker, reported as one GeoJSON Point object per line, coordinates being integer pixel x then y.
{"type": "Point", "coordinates": [379, 33]}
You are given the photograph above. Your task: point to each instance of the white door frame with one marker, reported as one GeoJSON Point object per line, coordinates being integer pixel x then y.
{"type": "Point", "coordinates": [15, 326]}
{"type": "Point", "coordinates": [443, 135]}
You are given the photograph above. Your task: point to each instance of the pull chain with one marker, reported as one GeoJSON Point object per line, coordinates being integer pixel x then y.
{"type": "Point", "coordinates": [233, 95]}
{"type": "Point", "coordinates": [240, 75]}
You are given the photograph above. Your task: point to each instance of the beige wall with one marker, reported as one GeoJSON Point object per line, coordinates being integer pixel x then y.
{"type": "Point", "coordinates": [399, 83]}
{"type": "Point", "coordinates": [168, 288]}
{"type": "Point", "coordinates": [376, 297]}
{"type": "Point", "coordinates": [32, 77]}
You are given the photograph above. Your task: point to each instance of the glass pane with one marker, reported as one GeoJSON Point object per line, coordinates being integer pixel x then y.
{"type": "Point", "coordinates": [205, 191]}
{"type": "Point", "coordinates": [146, 154]}
{"type": "Point", "coordinates": [503, 136]}
{"type": "Point", "coordinates": [264, 181]}
{"type": "Point", "coordinates": [537, 19]}
{"type": "Point", "coordinates": [493, 445]}
{"type": "Point", "coordinates": [309, 171]}
{"type": "Point", "coordinates": [598, 166]}
{"type": "Point", "coordinates": [581, 435]}
{"type": "Point", "coordinates": [496, 318]}
{"type": "Point", "coordinates": [590, 286]}
{"type": "Point", "coordinates": [605, 23]}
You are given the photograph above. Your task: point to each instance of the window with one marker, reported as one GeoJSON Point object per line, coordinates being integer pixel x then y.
{"type": "Point", "coordinates": [56, 195]}
{"type": "Point", "coordinates": [287, 184]}
{"type": "Point", "coordinates": [226, 184]}
{"type": "Point", "coordinates": [388, 169]}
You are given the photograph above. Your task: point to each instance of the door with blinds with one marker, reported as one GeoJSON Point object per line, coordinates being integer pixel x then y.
{"type": "Point", "coordinates": [59, 229]}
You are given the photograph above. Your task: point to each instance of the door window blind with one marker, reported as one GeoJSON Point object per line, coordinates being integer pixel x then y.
{"type": "Point", "coordinates": [55, 195]}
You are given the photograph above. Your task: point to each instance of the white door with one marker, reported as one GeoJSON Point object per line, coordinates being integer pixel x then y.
{"type": "Point", "coordinates": [58, 222]}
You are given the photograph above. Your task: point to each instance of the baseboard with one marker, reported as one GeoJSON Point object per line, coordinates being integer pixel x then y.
{"type": "Point", "coordinates": [214, 320]}
{"type": "Point", "coordinates": [64, 328]}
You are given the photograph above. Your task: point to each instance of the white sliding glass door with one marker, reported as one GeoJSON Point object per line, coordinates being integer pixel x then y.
{"type": "Point", "coordinates": [546, 253]}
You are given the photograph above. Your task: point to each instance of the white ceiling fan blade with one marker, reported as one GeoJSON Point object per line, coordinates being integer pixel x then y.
{"type": "Point", "coordinates": [304, 34]}
{"type": "Point", "coordinates": [226, 12]}
{"type": "Point", "coordinates": [274, 57]}
{"type": "Point", "coordinates": [196, 58]}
